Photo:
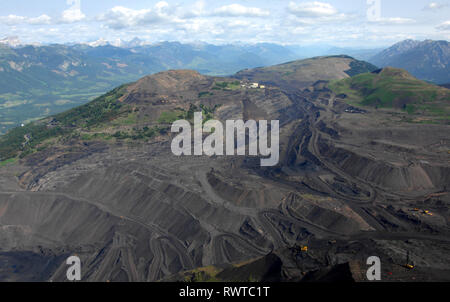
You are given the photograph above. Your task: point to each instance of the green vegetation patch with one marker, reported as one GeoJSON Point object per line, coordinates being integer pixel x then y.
{"type": "Point", "coordinates": [205, 94]}
{"type": "Point", "coordinates": [140, 134]}
{"type": "Point", "coordinates": [102, 109]}
{"type": "Point", "coordinates": [168, 117]}
{"type": "Point", "coordinates": [208, 112]}
{"type": "Point", "coordinates": [24, 139]}
{"type": "Point", "coordinates": [21, 141]}
{"type": "Point", "coordinates": [129, 119]}
{"type": "Point", "coordinates": [8, 161]}
{"type": "Point", "coordinates": [95, 136]}
{"type": "Point", "coordinates": [394, 88]}
{"type": "Point", "coordinates": [235, 85]}
{"type": "Point", "coordinates": [359, 67]}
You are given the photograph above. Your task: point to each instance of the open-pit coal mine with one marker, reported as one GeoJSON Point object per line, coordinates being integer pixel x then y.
{"type": "Point", "coordinates": [101, 182]}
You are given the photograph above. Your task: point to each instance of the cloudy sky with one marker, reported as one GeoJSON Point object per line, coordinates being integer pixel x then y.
{"type": "Point", "coordinates": [358, 23]}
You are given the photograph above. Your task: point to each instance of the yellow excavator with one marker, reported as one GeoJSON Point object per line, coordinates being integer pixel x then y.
{"type": "Point", "coordinates": [409, 264]}
{"type": "Point", "coordinates": [426, 212]}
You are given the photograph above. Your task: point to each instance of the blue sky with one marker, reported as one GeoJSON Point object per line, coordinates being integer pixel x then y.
{"type": "Point", "coordinates": [350, 23]}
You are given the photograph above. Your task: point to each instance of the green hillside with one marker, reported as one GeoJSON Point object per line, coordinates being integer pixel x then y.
{"type": "Point", "coordinates": [25, 140]}
{"type": "Point", "coordinates": [395, 88]}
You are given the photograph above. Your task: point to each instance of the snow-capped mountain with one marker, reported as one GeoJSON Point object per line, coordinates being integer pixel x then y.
{"type": "Point", "coordinates": [12, 41]}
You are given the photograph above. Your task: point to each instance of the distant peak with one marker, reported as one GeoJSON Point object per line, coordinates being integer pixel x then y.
{"type": "Point", "coordinates": [12, 41]}
{"type": "Point", "coordinates": [408, 41]}
{"type": "Point", "coordinates": [167, 82]}
{"type": "Point", "coordinates": [99, 42]}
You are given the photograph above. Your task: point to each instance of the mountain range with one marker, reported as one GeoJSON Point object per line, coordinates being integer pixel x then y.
{"type": "Point", "coordinates": [40, 80]}
{"type": "Point", "coordinates": [359, 174]}
{"type": "Point", "coordinates": [37, 81]}
{"type": "Point", "coordinates": [427, 60]}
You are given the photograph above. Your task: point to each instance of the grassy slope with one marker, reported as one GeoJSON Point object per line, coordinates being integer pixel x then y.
{"type": "Point", "coordinates": [24, 140]}
{"type": "Point", "coordinates": [395, 88]}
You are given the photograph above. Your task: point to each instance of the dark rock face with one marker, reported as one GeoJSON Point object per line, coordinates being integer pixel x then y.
{"type": "Point", "coordinates": [266, 269]}
{"type": "Point", "coordinates": [347, 186]}
{"type": "Point", "coordinates": [339, 273]}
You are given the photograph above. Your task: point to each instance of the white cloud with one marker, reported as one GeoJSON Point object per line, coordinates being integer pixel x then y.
{"type": "Point", "coordinates": [42, 19]}
{"type": "Point", "coordinates": [444, 26]}
{"type": "Point", "coordinates": [434, 6]}
{"type": "Point", "coordinates": [237, 10]}
{"type": "Point", "coordinates": [16, 20]}
{"type": "Point", "coordinates": [120, 17]}
{"type": "Point", "coordinates": [314, 13]}
{"type": "Point", "coordinates": [393, 21]}
{"type": "Point", "coordinates": [12, 19]}
{"type": "Point", "coordinates": [308, 21]}
{"type": "Point", "coordinates": [312, 9]}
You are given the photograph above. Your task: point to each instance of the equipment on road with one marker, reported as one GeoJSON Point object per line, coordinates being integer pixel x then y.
{"type": "Point", "coordinates": [409, 264]}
